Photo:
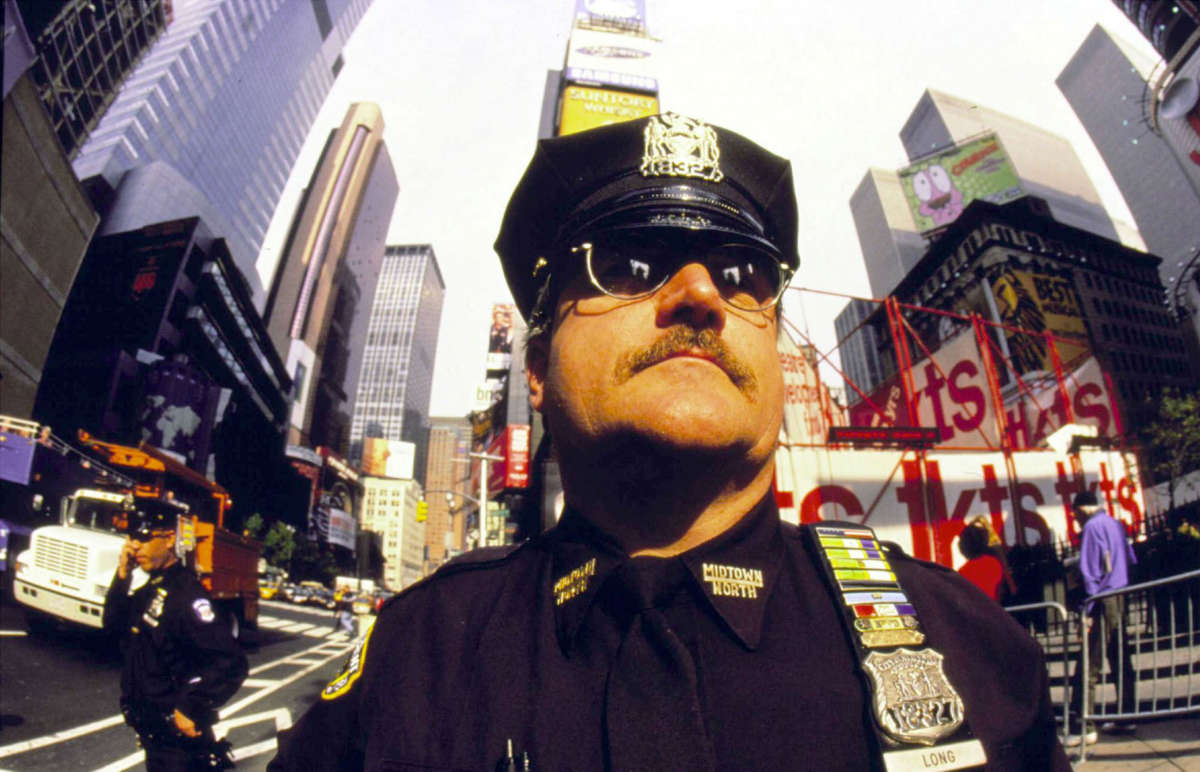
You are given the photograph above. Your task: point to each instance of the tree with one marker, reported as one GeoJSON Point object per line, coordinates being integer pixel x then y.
{"type": "Point", "coordinates": [279, 544]}
{"type": "Point", "coordinates": [254, 525]}
{"type": "Point", "coordinates": [1173, 439]}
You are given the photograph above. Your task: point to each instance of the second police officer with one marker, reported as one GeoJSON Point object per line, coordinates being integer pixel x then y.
{"type": "Point", "coordinates": [181, 661]}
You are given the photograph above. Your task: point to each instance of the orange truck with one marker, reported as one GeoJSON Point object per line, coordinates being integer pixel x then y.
{"type": "Point", "coordinates": [67, 569]}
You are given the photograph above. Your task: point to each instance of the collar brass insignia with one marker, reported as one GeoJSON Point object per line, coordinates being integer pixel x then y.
{"type": "Point", "coordinates": [732, 581]}
{"type": "Point", "coordinates": [678, 146]}
{"type": "Point", "coordinates": [573, 583]}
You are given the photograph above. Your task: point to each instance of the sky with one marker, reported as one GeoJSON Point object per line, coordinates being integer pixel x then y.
{"type": "Point", "coordinates": [826, 85]}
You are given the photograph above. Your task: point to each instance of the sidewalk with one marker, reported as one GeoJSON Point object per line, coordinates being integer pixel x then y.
{"type": "Point", "coordinates": [1161, 746]}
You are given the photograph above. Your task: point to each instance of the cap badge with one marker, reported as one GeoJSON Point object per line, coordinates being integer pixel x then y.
{"type": "Point", "coordinates": [678, 146]}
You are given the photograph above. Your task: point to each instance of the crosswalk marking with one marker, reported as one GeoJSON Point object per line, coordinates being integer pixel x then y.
{"type": "Point", "coordinates": [271, 622]}
{"type": "Point", "coordinates": [304, 628]}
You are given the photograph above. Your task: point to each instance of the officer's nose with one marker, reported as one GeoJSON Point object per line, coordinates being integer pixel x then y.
{"type": "Point", "coordinates": [691, 297]}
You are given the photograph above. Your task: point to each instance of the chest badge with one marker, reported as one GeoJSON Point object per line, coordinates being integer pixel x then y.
{"type": "Point", "coordinates": [155, 609]}
{"type": "Point", "coordinates": [732, 581]}
{"type": "Point", "coordinates": [913, 700]}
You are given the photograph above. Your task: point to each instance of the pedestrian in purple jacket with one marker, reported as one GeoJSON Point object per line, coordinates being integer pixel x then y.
{"type": "Point", "coordinates": [1104, 560]}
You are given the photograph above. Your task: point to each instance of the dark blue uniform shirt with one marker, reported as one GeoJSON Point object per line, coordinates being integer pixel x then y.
{"type": "Point", "coordinates": [516, 645]}
{"type": "Point", "coordinates": [178, 654]}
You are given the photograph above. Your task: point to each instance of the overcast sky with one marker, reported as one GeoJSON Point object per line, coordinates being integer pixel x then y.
{"type": "Point", "coordinates": [827, 85]}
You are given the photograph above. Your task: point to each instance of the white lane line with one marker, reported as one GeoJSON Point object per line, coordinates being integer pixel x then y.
{"type": "Point", "coordinates": [229, 710]}
{"type": "Point", "coordinates": [120, 765]}
{"type": "Point", "coordinates": [57, 737]}
{"type": "Point", "coordinates": [324, 650]}
{"type": "Point", "coordinates": [297, 627]}
{"type": "Point", "coordinates": [254, 749]}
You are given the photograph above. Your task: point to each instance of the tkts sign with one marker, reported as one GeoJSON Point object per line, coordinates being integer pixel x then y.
{"type": "Point", "coordinates": [950, 392]}
{"type": "Point", "coordinates": [922, 501]}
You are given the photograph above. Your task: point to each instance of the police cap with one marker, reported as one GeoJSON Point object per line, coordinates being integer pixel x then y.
{"type": "Point", "coordinates": [665, 172]}
{"type": "Point", "coordinates": [1085, 499]}
{"type": "Point", "coordinates": [153, 515]}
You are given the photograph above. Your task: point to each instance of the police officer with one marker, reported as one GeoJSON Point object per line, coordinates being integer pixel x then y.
{"type": "Point", "coordinates": [670, 620]}
{"type": "Point", "coordinates": [180, 660]}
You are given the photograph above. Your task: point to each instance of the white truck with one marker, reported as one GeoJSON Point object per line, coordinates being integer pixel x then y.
{"type": "Point", "coordinates": [66, 571]}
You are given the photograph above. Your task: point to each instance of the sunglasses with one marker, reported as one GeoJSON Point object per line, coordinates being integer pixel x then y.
{"type": "Point", "coordinates": [748, 276]}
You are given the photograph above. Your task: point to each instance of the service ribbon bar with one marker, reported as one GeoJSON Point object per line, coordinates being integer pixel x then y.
{"type": "Point", "coordinates": [918, 714]}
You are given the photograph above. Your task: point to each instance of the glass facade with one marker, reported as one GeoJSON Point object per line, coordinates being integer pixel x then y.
{"type": "Point", "coordinates": [396, 378]}
{"type": "Point", "coordinates": [198, 101]}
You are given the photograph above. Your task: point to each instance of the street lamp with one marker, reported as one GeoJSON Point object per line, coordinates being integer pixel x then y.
{"type": "Point", "coordinates": [484, 458]}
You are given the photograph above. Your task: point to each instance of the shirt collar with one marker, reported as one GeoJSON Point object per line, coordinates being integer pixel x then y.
{"type": "Point", "coordinates": [736, 571]}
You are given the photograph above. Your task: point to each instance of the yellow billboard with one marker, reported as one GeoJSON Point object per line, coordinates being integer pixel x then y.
{"type": "Point", "coordinates": [1042, 303]}
{"type": "Point", "coordinates": [586, 108]}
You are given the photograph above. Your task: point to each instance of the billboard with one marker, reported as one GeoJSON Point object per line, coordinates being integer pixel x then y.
{"type": "Point", "coordinates": [500, 337]}
{"type": "Point", "coordinates": [807, 407]}
{"type": "Point", "coordinates": [333, 523]}
{"type": "Point", "coordinates": [940, 186]}
{"type": "Point", "coordinates": [626, 13]}
{"type": "Point", "coordinates": [1042, 303]}
{"type": "Point", "coordinates": [609, 58]}
{"type": "Point", "coordinates": [513, 471]}
{"type": "Point", "coordinates": [388, 458]}
{"type": "Point", "coordinates": [923, 500]}
{"type": "Point", "coordinates": [586, 108]}
{"type": "Point", "coordinates": [181, 408]}
{"type": "Point", "coordinates": [16, 455]}
{"type": "Point", "coordinates": [951, 392]}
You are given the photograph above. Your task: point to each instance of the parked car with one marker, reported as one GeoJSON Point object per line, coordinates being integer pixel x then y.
{"type": "Point", "coordinates": [301, 594]}
{"type": "Point", "coordinates": [322, 597]}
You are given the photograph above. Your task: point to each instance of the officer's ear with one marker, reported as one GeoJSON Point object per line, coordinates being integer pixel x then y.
{"type": "Point", "coordinates": [537, 356]}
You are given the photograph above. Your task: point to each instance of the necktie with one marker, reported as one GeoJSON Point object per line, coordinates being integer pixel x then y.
{"type": "Point", "coordinates": [652, 709]}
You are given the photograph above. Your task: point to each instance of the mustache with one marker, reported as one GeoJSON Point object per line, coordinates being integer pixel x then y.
{"type": "Point", "coordinates": [681, 339]}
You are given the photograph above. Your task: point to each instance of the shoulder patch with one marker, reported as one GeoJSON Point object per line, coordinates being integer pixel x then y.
{"type": "Point", "coordinates": [351, 670]}
{"type": "Point", "coordinates": [203, 610]}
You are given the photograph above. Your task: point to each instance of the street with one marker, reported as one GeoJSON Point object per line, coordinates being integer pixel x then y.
{"type": "Point", "coordinates": [59, 691]}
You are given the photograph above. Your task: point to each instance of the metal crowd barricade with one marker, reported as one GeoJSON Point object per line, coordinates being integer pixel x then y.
{"type": "Point", "coordinates": [1056, 643]}
{"type": "Point", "coordinates": [1151, 670]}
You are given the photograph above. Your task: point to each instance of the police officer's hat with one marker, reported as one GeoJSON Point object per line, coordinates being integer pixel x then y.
{"type": "Point", "coordinates": [151, 515]}
{"type": "Point", "coordinates": [664, 172]}
{"type": "Point", "coordinates": [1085, 499]}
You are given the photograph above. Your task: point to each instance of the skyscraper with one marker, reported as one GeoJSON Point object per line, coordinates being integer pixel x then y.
{"type": "Point", "coordinates": [392, 400]}
{"type": "Point", "coordinates": [1104, 84]}
{"type": "Point", "coordinates": [85, 52]}
{"type": "Point", "coordinates": [318, 308]}
{"type": "Point", "coordinates": [859, 345]}
{"type": "Point", "coordinates": [1044, 162]}
{"type": "Point", "coordinates": [198, 101]}
{"type": "Point", "coordinates": [1038, 163]}
{"type": "Point", "coordinates": [46, 223]}
{"type": "Point", "coordinates": [447, 470]}
{"type": "Point", "coordinates": [389, 509]}
{"type": "Point", "coordinates": [887, 234]}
